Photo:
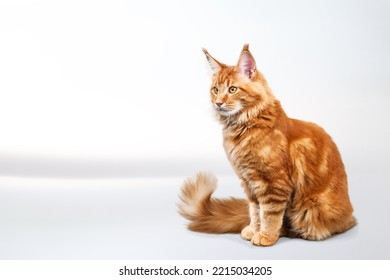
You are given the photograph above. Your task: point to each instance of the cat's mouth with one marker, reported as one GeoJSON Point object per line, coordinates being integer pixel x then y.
{"type": "Point", "coordinates": [221, 109]}
{"type": "Point", "coordinates": [225, 111]}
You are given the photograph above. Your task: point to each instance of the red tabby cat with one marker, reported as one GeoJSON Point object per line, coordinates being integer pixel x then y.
{"type": "Point", "coordinates": [291, 170]}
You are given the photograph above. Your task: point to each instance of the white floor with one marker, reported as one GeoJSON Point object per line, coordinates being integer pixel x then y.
{"type": "Point", "coordinates": [136, 218]}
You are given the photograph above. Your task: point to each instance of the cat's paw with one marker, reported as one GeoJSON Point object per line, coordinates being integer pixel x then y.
{"type": "Point", "coordinates": [247, 233]}
{"type": "Point", "coordinates": [259, 239]}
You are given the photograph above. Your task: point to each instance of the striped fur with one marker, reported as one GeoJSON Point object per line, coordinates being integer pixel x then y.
{"type": "Point", "coordinates": [291, 170]}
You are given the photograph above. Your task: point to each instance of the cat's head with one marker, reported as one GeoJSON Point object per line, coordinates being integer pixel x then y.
{"type": "Point", "coordinates": [238, 89]}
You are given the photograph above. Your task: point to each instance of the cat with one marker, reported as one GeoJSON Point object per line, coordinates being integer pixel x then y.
{"type": "Point", "coordinates": [290, 170]}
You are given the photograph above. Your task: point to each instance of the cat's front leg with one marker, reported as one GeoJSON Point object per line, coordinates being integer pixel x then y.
{"type": "Point", "coordinates": [270, 228]}
{"type": "Point", "coordinates": [272, 208]}
{"type": "Point", "coordinates": [249, 231]}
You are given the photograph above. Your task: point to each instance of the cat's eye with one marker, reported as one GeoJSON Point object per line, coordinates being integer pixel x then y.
{"type": "Point", "coordinates": [215, 90]}
{"type": "Point", "coordinates": [232, 89]}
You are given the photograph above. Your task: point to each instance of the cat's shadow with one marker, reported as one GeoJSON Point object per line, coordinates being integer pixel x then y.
{"type": "Point", "coordinates": [237, 239]}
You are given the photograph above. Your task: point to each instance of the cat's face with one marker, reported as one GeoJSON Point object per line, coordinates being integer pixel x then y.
{"type": "Point", "coordinates": [237, 89]}
{"type": "Point", "coordinates": [226, 94]}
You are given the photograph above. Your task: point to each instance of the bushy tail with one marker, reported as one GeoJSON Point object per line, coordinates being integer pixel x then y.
{"type": "Point", "coordinates": [209, 214]}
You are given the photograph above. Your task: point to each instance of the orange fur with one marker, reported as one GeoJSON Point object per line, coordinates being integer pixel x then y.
{"type": "Point", "coordinates": [291, 170]}
{"type": "Point", "coordinates": [209, 214]}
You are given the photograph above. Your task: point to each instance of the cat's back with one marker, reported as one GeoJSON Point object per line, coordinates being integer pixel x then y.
{"type": "Point", "coordinates": [309, 136]}
{"type": "Point", "coordinates": [314, 157]}
{"type": "Point", "coordinates": [298, 129]}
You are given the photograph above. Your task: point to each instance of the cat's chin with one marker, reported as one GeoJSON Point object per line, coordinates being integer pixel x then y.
{"type": "Point", "coordinates": [227, 113]}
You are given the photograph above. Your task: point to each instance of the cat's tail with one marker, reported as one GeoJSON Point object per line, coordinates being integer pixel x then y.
{"type": "Point", "coordinates": [208, 214]}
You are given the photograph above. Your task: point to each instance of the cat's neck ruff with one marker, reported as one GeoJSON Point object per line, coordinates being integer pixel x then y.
{"type": "Point", "coordinates": [258, 116]}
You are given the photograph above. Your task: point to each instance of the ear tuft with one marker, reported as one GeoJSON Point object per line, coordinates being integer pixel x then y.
{"type": "Point", "coordinates": [215, 65]}
{"type": "Point", "coordinates": [245, 48]}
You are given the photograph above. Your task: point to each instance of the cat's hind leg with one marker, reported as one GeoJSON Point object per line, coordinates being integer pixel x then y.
{"type": "Point", "coordinates": [318, 220]}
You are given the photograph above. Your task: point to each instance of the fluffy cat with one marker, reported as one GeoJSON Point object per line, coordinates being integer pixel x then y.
{"type": "Point", "coordinates": [291, 170]}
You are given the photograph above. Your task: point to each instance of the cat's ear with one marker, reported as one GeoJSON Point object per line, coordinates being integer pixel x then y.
{"type": "Point", "coordinates": [215, 65]}
{"type": "Point", "coordinates": [246, 63]}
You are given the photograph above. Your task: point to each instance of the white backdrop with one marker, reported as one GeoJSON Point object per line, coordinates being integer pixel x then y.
{"type": "Point", "coordinates": [128, 80]}
{"type": "Point", "coordinates": [102, 101]}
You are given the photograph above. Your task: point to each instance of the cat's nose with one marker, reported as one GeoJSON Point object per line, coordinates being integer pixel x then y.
{"type": "Point", "coordinates": [219, 104]}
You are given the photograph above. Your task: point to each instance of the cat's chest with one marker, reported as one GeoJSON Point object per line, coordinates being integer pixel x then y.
{"type": "Point", "coordinates": [251, 146]}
